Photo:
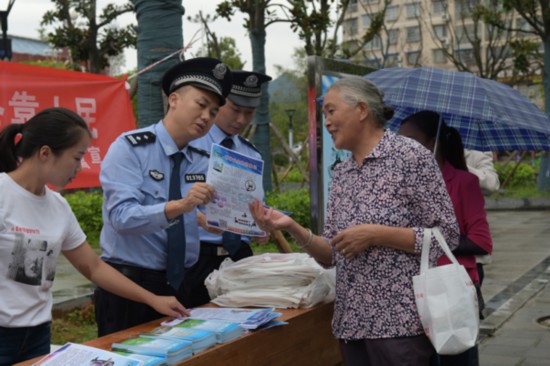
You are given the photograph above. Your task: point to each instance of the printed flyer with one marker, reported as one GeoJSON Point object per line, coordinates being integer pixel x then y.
{"type": "Point", "coordinates": [237, 179]}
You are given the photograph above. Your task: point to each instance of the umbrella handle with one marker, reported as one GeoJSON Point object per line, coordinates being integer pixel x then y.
{"type": "Point", "coordinates": [437, 134]}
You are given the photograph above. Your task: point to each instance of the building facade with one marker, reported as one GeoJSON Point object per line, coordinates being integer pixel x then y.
{"type": "Point", "coordinates": [444, 34]}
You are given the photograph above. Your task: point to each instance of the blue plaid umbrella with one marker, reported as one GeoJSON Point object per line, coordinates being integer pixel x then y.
{"type": "Point", "coordinates": [489, 115]}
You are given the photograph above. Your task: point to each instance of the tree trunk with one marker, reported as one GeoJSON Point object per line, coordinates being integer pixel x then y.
{"type": "Point", "coordinates": [262, 132]}
{"type": "Point", "coordinates": [159, 34]}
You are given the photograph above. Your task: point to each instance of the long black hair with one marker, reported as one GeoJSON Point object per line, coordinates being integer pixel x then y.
{"type": "Point", "coordinates": [449, 142]}
{"type": "Point", "coordinates": [58, 128]}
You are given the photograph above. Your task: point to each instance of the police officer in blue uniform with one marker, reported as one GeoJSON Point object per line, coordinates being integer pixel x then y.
{"type": "Point", "coordinates": [152, 185]}
{"type": "Point", "coordinates": [232, 119]}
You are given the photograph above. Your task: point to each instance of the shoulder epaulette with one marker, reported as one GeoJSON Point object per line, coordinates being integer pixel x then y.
{"type": "Point", "coordinates": [198, 150]}
{"type": "Point", "coordinates": [141, 138]}
{"type": "Point", "coordinates": [246, 142]}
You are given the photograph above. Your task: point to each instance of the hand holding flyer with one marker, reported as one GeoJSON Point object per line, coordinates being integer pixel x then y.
{"type": "Point", "coordinates": [237, 179]}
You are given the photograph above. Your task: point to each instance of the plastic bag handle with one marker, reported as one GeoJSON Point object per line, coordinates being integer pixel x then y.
{"type": "Point", "coordinates": [425, 256]}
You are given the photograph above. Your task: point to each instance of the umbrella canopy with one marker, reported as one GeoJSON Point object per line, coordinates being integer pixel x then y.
{"type": "Point", "coordinates": [489, 115]}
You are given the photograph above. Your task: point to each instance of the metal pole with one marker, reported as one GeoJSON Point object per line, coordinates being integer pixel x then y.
{"type": "Point", "coordinates": [290, 113]}
{"type": "Point", "coordinates": [4, 20]}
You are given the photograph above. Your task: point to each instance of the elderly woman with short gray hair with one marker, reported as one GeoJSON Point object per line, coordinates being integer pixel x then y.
{"type": "Point", "coordinates": [379, 204]}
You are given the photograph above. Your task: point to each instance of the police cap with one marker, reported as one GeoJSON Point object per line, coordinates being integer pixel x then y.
{"type": "Point", "coordinates": [202, 72]}
{"type": "Point", "coordinates": [247, 88]}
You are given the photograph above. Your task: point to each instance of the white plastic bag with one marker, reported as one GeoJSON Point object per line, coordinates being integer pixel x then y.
{"type": "Point", "coordinates": [292, 280]}
{"type": "Point", "coordinates": [446, 301]}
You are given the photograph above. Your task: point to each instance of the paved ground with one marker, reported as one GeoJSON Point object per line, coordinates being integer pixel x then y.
{"type": "Point", "coordinates": [516, 290]}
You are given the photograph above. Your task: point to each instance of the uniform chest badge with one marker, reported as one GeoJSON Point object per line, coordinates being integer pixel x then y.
{"type": "Point", "coordinates": [156, 175]}
{"type": "Point", "coordinates": [193, 178]}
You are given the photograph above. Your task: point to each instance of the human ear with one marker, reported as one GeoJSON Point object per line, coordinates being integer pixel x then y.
{"type": "Point", "coordinates": [363, 110]}
{"type": "Point", "coordinates": [44, 152]}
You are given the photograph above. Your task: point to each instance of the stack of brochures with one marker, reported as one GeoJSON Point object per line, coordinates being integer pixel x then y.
{"type": "Point", "coordinates": [145, 360]}
{"type": "Point", "coordinates": [225, 331]}
{"type": "Point", "coordinates": [249, 319]}
{"type": "Point", "coordinates": [200, 339]}
{"type": "Point", "coordinates": [173, 350]}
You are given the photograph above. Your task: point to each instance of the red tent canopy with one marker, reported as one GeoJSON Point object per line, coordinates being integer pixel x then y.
{"type": "Point", "coordinates": [102, 101]}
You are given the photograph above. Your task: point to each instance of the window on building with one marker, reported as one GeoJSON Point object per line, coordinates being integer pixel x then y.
{"type": "Point", "coordinates": [393, 36]}
{"type": "Point", "coordinates": [464, 8]}
{"type": "Point", "coordinates": [369, 2]}
{"type": "Point", "coordinates": [498, 52]}
{"type": "Point", "coordinates": [494, 33]}
{"type": "Point", "coordinates": [413, 34]}
{"type": "Point", "coordinates": [466, 56]}
{"type": "Point", "coordinates": [350, 26]}
{"type": "Point", "coordinates": [412, 10]}
{"type": "Point", "coordinates": [372, 62]}
{"type": "Point", "coordinates": [439, 7]}
{"type": "Point", "coordinates": [466, 32]}
{"type": "Point", "coordinates": [439, 56]}
{"type": "Point", "coordinates": [374, 44]}
{"type": "Point", "coordinates": [392, 13]}
{"type": "Point", "coordinates": [392, 60]}
{"type": "Point", "coordinates": [413, 58]}
{"type": "Point", "coordinates": [440, 31]}
{"type": "Point", "coordinates": [522, 24]}
{"type": "Point", "coordinates": [366, 19]}
{"type": "Point", "coordinates": [352, 6]}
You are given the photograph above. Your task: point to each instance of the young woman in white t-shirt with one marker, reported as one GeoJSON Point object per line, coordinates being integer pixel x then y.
{"type": "Point", "coordinates": [36, 224]}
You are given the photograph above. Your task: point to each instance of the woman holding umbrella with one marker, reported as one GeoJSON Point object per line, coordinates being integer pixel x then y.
{"type": "Point", "coordinates": [467, 198]}
{"type": "Point", "coordinates": [380, 201]}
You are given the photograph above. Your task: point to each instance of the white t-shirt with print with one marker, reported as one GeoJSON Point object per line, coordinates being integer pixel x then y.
{"type": "Point", "coordinates": [33, 231]}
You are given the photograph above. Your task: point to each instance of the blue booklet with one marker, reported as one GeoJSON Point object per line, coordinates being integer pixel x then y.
{"type": "Point", "coordinates": [225, 331]}
{"type": "Point", "coordinates": [200, 339]}
{"type": "Point", "coordinates": [173, 350]}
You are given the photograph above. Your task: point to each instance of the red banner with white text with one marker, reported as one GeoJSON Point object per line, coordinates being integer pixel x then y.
{"type": "Point", "coordinates": [102, 101]}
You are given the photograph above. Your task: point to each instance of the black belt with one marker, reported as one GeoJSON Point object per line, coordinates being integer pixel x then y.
{"type": "Point", "coordinates": [138, 273]}
{"type": "Point", "coordinates": [216, 250]}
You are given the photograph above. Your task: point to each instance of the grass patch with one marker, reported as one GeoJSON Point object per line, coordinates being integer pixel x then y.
{"type": "Point", "coordinates": [76, 326]}
{"type": "Point", "coordinates": [271, 247]}
{"type": "Point", "coordinates": [520, 192]}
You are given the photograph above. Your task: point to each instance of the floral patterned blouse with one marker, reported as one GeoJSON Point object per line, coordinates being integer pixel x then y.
{"type": "Point", "coordinates": [399, 184]}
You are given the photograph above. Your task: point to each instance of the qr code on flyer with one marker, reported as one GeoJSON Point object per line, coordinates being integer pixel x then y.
{"type": "Point", "coordinates": [223, 224]}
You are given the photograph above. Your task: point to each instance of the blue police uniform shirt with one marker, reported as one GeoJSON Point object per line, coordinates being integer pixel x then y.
{"type": "Point", "coordinates": [135, 176]}
{"type": "Point", "coordinates": [216, 136]}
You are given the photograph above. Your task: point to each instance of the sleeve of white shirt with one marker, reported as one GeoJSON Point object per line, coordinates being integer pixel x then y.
{"type": "Point", "coordinates": [481, 164]}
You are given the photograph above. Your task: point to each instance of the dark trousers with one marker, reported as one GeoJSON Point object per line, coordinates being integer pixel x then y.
{"type": "Point", "coordinates": [469, 357]}
{"type": "Point", "coordinates": [404, 351]}
{"type": "Point", "coordinates": [114, 313]}
{"type": "Point", "coordinates": [193, 292]}
{"type": "Point", "coordinates": [24, 343]}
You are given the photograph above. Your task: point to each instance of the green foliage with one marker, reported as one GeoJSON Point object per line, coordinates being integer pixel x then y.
{"type": "Point", "coordinates": [294, 176]}
{"type": "Point", "coordinates": [89, 38]}
{"type": "Point", "coordinates": [524, 176]}
{"type": "Point", "coordinates": [47, 63]}
{"type": "Point", "coordinates": [78, 326]}
{"type": "Point", "coordinates": [86, 206]}
{"type": "Point", "coordinates": [85, 316]}
{"type": "Point", "coordinates": [225, 49]}
{"type": "Point", "coordinates": [296, 201]}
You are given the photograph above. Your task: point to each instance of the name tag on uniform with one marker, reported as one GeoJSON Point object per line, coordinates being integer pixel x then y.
{"type": "Point", "coordinates": [192, 178]}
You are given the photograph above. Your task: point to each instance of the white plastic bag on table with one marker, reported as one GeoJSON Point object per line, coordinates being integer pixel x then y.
{"type": "Point", "coordinates": [291, 280]}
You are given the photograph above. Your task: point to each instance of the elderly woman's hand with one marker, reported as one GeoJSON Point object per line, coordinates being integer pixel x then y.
{"type": "Point", "coordinates": [268, 219]}
{"type": "Point", "coordinates": [354, 240]}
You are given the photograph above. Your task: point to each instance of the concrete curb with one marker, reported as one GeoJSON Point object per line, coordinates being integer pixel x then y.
{"type": "Point", "coordinates": [510, 204]}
